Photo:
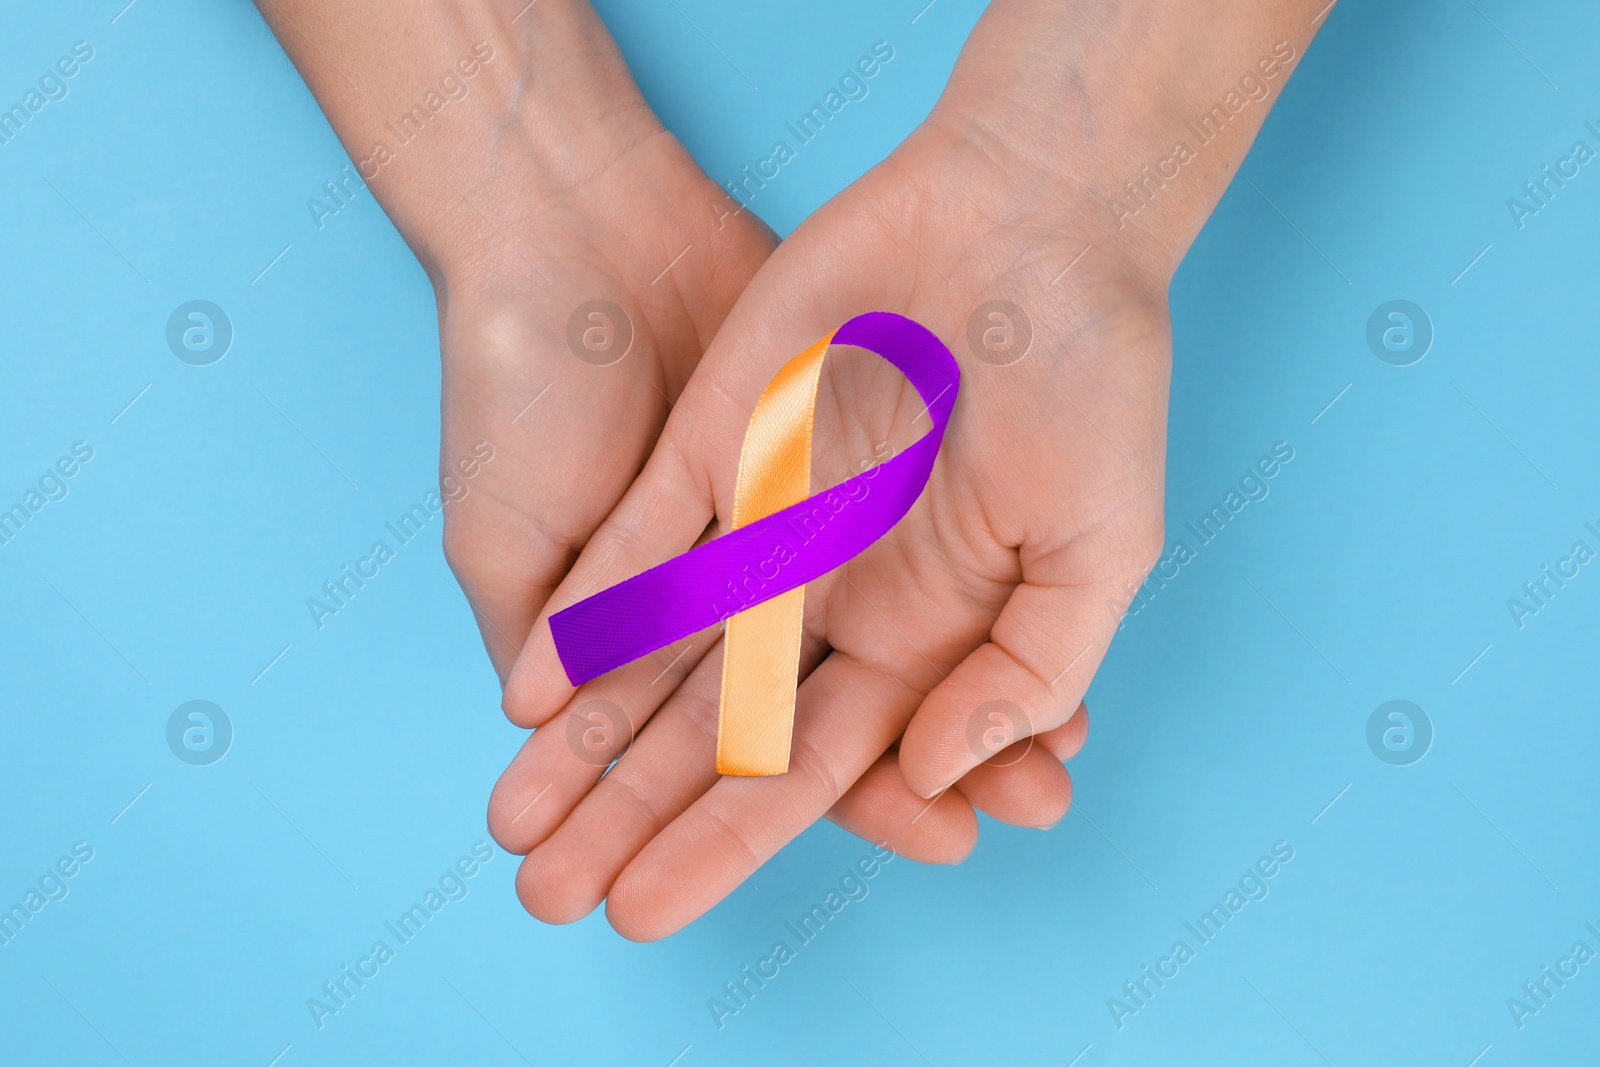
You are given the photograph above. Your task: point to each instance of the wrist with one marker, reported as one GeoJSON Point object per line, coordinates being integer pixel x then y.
{"type": "Point", "coordinates": [551, 113]}
{"type": "Point", "coordinates": [1056, 194]}
{"type": "Point", "coordinates": [1140, 116]}
{"type": "Point", "coordinates": [461, 118]}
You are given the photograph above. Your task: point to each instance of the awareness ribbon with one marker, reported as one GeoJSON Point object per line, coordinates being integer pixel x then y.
{"type": "Point", "coordinates": [754, 576]}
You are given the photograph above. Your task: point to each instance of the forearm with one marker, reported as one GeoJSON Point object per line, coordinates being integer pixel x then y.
{"type": "Point", "coordinates": [1144, 107]}
{"type": "Point", "coordinates": [454, 112]}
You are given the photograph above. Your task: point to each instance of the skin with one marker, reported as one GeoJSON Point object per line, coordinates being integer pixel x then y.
{"type": "Point", "coordinates": [547, 185]}
{"type": "Point", "coordinates": [1007, 579]}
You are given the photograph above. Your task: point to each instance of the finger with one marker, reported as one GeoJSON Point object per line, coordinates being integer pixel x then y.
{"type": "Point", "coordinates": [1028, 678]}
{"type": "Point", "coordinates": [661, 515]}
{"type": "Point", "coordinates": [1024, 785]}
{"type": "Point", "coordinates": [847, 715]}
{"type": "Point", "coordinates": [505, 614]}
{"type": "Point", "coordinates": [1066, 741]}
{"type": "Point", "coordinates": [507, 568]}
{"type": "Point", "coordinates": [671, 764]}
{"type": "Point", "coordinates": [668, 767]}
{"type": "Point", "coordinates": [501, 648]}
{"type": "Point", "coordinates": [562, 761]}
{"type": "Point", "coordinates": [880, 808]}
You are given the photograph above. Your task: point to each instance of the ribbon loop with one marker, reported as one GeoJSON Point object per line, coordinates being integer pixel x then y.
{"type": "Point", "coordinates": [754, 576]}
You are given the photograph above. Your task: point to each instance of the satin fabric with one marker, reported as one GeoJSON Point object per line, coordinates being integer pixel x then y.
{"type": "Point", "coordinates": [754, 576]}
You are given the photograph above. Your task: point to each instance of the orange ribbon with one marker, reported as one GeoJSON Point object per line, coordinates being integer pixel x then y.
{"type": "Point", "coordinates": [761, 649]}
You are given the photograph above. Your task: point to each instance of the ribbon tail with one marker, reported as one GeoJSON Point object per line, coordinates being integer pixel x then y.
{"type": "Point", "coordinates": [760, 668]}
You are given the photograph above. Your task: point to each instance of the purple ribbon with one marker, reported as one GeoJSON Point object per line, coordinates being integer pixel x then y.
{"type": "Point", "coordinates": [783, 551]}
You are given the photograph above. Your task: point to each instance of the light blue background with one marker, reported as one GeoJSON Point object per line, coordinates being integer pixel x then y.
{"type": "Point", "coordinates": [1226, 718]}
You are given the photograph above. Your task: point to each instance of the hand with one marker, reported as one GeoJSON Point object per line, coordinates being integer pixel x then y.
{"type": "Point", "coordinates": [545, 186]}
{"type": "Point", "coordinates": [1044, 505]}
{"type": "Point", "coordinates": [568, 432]}
{"type": "Point", "coordinates": [594, 270]}
{"type": "Point", "coordinates": [550, 114]}
{"type": "Point", "coordinates": [1008, 577]}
